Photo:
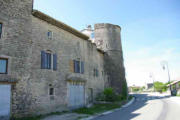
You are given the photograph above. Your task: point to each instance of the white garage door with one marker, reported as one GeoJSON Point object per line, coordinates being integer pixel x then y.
{"type": "Point", "coordinates": [76, 96]}
{"type": "Point", "coordinates": [5, 94]}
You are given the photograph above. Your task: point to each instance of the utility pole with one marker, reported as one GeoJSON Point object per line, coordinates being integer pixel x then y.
{"type": "Point", "coordinates": [152, 76]}
{"type": "Point", "coordinates": [165, 66]}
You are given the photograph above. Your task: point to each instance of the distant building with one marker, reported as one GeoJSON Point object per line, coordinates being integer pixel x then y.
{"type": "Point", "coordinates": [149, 85]}
{"type": "Point", "coordinates": [175, 86]}
{"type": "Point", "coordinates": [134, 88]}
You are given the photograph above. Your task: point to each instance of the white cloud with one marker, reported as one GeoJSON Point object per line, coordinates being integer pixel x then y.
{"type": "Point", "coordinates": [140, 63]}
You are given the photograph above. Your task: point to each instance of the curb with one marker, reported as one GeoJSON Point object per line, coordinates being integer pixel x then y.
{"type": "Point", "coordinates": [129, 103]}
{"type": "Point", "coordinates": [109, 112]}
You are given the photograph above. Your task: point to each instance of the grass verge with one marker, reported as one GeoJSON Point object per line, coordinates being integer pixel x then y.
{"type": "Point", "coordinates": [97, 108]}
{"type": "Point", "coordinates": [39, 117]}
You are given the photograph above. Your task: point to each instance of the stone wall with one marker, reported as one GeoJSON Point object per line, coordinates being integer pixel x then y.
{"type": "Point", "coordinates": [67, 47]}
{"type": "Point", "coordinates": [15, 45]}
{"type": "Point", "coordinates": [25, 36]}
{"type": "Point", "coordinates": [109, 37]}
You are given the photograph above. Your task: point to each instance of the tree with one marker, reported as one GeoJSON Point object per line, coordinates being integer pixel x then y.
{"type": "Point", "coordinates": [160, 87]}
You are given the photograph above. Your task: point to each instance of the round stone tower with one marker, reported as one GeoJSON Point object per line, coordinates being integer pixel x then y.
{"type": "Point", "coordinates": [108, 38]}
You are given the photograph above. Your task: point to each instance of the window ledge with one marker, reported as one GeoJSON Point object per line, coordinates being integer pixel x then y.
{"type": "Point", "coordinates": [8, 78]}
{"type": "Point", "coordinates": [76, 77]}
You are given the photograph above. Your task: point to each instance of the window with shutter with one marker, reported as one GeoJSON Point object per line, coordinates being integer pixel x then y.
{"type": "Point", "coordinates": [48, 61]}
{"type": "Point", "coordinates": [78, 66]}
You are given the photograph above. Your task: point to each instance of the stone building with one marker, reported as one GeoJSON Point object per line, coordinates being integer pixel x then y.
{"type": "Point", "coordinates": [48, 66]}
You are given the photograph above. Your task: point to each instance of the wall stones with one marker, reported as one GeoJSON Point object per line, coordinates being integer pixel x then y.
{"type": "Point", "coordinates": [25, 36]}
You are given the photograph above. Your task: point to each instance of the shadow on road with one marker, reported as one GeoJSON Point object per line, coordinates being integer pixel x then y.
{"type": "Point", "coordinates": [128, 113]}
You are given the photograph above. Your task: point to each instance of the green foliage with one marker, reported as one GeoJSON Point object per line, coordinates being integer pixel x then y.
{"type": "Point", "coordinates": [109, 95]}
{"type": "Point", "coordinates": [160, 87]}
{"type": "Point", "coordinates": [124, 89]}
{"type": "Point", "coordinates": [135, 89]}
{"type": "Point", "coordinates": [39, 117]}
{"type": "Point", "coordinates": [100, 97]}
{"type": "Point", "coordinates": [97, 108]}
{"type": "Point", "coordinates": [130, 97]}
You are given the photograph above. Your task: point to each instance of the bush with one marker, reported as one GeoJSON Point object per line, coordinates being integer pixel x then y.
{"type": "Point", "coordinates": [124, 89]}
{"type": "Point", "coordinates": [100, 97]}
{"type": "Point", "coordinates": [109, 95]}
{"type": "Point", "coordinates": [130, 97]}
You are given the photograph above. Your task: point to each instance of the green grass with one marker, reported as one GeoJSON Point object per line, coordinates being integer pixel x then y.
{"type": "Point", "coordinates": [28, 118]}
{"type": "Point", "coordinates": [130, 97]}
{"type": "Point", "coordinates": [178, 95]}
{"type": "Point", "coordinates": [98, 108]}
{"type": "Point", "coordinates": [40, 116]}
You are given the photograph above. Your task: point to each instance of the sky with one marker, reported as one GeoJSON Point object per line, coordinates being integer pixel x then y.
{"type": "Point", "coordinates": [150, 31]}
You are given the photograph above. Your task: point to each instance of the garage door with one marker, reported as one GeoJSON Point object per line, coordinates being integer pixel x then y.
{"type": "Point", "coordinates": [5, 94]}
{"type": "Point", "coordinates": [76, 95]}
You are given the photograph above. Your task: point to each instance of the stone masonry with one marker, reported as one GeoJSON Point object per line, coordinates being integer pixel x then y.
{"type": "Point", "coordinates": [24, 37]}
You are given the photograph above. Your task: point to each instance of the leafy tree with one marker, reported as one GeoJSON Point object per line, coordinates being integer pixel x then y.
{"type": "Point", "coordinates": [160, 87]}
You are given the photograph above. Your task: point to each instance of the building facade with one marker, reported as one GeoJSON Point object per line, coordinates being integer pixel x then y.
{"type": "Point", "coordinates": [48, 66]}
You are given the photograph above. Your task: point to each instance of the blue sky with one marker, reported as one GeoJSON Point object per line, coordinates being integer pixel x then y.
{"type": "Point", "coordinates": [150, 31]}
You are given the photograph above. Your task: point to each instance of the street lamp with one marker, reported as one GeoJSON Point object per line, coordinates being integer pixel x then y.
{"type": "Point", "coordinates": [165, 66]}
{"type": "Point", "coordinates": [151, 76]}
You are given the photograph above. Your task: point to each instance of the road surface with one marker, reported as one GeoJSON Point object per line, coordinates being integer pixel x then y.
{"type": "Point", "coordinates": [148, 107]}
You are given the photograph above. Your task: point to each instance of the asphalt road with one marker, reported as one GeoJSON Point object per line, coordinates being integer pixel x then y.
{"type": "Point", "coordinates": [147, 107]}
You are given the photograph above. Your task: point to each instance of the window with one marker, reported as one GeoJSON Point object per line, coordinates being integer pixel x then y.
{"type": "Point", "coordinates": [49, 34]}
{"type": "Point", "coordinates": [92, 35]}
{"type": "Point", "coordinates": [48, 60]}
{"type": "Point", "coordinates": [0, 29]}
{"type": "Point", "coordinates": [3, 65]}
{"type": "Point", "coordinates": [96, 73]}
{"type": "Point", "coordinates": [51, 91]}
{"type": "Point", "coordinates": [78, 66]}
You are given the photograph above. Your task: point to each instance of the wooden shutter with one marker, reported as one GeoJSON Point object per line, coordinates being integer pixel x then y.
{"type": "Point", "coordinates": [54, 62]}
{"type": "Point", "coordinates": [75, 66]}
{"type": "Point", "coordinates": [82, 67]}
{"type": "Point", "coordinates": [43, 60]}
{"type": "Point", "coordinates": [0, 29]}
{"type": "Point", "coordinates": [71, 65]}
